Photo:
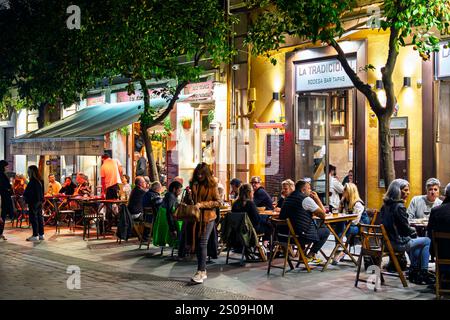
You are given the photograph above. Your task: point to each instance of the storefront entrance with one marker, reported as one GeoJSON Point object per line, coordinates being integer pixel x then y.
{"type": "Point", "coordinates": [324, 136]}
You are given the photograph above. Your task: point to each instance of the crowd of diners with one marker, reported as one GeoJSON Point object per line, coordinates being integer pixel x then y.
{"type": "Point", "coordinates": [297, 201]}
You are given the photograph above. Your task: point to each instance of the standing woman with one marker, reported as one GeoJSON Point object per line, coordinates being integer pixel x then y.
{"type": "Point", "coordinates": [402, 236]}
{"type": "Point", "coordinates": [205, 194]}
{"type": "Point", "coordinates": [34, 197]}
{"type": "Point", "coordinates": [5, 193]}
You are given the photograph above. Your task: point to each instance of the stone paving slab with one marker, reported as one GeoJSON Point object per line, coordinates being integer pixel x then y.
{"type": "Point", "coordinates": [121, 271]}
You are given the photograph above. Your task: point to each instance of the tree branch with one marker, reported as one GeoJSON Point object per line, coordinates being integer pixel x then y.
{"type": "Point", "coordinates": [359, 84]}
{"type": "Point", "coordinates": [172, 102]}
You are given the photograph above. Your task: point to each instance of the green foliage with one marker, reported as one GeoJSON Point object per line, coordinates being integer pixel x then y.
{"type": "Point", "coordinates": [124, 131]}
{"type": "Point", "coordinates": [136, 39]}
{"type": "Point", "coordinates": [320, 20]}
{"type": "Point", "coordinates": [167, 125]}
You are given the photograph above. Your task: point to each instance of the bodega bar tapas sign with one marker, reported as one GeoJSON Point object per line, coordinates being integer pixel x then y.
{"type": "Point", "coordinates": [322, 75]}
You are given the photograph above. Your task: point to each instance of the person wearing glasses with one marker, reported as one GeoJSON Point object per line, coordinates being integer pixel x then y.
{"type": "Point", "coordinates": [261, 198]}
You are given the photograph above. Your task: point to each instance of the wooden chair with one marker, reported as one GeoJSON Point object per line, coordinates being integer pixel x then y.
{"type": "Point", "coordinates": [374, 220]}
{"type": "Point", "coordinates": [440, 240]}
{"type": "Point", "coordinates": [147, 223]}
{"type": "Point", "coordinates": [249, 253]}
{"type": "Point", "coordinates": [375, 244]}
{"type": "Point", "coordinates": [287, 242]}
{"type": "Point", "coordinates": [69, 214]}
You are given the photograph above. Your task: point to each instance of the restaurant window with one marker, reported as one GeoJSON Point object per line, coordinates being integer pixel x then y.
{"type": "Point", "coordinates": [338, 115]}
{"type": "Point", "coordinates": [400, 150]}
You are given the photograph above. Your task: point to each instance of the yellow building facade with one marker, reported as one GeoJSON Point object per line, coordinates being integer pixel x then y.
{"type": "Point", "coordinates": [347, 148]}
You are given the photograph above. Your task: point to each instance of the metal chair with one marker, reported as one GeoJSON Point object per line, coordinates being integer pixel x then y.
{"type": "Point", "coordinates": [69, 214]}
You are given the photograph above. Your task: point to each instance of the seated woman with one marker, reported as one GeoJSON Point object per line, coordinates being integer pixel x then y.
{"type": "Point", "coordinates": [84, 188]}
{"type": "Point", "coordinates": [166, 228]}
{"type": "Point", "coordinates": [352, 203]}
{"type": "Point", "coordinates": [402, 236]}
{"type": "Point", "coordinates": [245, 203]}
{"type": "Point", "coordinates": [68, 188]}
{"type": "Point", "coordinates": [287, 187]}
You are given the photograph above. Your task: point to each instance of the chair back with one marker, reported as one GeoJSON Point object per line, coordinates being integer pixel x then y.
{"type": "Point", "coordinates": [374, 216]}
{"type": "Point", "coordinates": [238, 230]}
{"type": "Point", "coordinates": [441, 245]}
{"type": "Point", "coordinates": [372, 238]}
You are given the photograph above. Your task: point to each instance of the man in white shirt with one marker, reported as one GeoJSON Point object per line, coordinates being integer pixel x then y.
{"type": "Point", "coordinates": [420, 206]}
{"type": "Point", "coordinates": [111, 174]}
{"type": "Point", "coordinates": [336, 188]}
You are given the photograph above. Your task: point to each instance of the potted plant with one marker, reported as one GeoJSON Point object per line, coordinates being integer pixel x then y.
{"type": "Point", "coordinates": [186, 123]}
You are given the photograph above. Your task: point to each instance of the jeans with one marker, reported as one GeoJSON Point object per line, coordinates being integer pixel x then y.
{"type": "Point", "coordinates": [202, 246]}
{"type": "Point", "coordinates": [36, 219]}
{"type": "Point", "coordinates": [323, 234]}
{"type": "Point", "coordinates": [419, 252]}
{"type": "Point", "coordinates": [2, 225]}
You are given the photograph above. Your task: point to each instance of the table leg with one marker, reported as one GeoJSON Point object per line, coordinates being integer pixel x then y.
{"type": "Point", "coordinates": [339, 244]}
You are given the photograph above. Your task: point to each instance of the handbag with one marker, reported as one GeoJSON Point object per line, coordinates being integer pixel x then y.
{"type": "Point", "coordinates": [187, 211]}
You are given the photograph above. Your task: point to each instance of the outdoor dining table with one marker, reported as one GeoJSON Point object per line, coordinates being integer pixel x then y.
{"type": "Point", "coordinates": [50, 202]}
{"type": "Point", "coordinates": [420, 225]}
{"type": "Point", "coordinates": [331, 219]}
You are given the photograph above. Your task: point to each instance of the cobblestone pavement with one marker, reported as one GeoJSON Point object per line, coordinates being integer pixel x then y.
{"type": "Point", "coordinates": [109, 270]}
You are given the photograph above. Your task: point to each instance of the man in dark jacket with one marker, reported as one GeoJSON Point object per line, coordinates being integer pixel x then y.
{"type": "Point", "coordinates": [5, 193]}
{"type": "Point", "coordinates": [440, 222]}
{"type": "Point", "coordinates": [260, 197]}
{"type": "Point", "coordinates": [136, 198]}
{"type": "Point", "coordinates": [300, 207]}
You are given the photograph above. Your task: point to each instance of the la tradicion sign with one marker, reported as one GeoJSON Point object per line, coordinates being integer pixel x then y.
{"type": "Point", "coordinates": [322, 75]}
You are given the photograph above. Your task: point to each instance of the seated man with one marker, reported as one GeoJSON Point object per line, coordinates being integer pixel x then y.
{"type": "Point", "coordinates": [234, 184]}
{"type": "Point", "coordinates": [261, 198]}
{"type": "Point", "coordinates": [440, 222]}
{"type": "Point", "coordinates": [300, 207]}
{"type": "Point", "coordinates": [53, 186]}
{"type": "Point", "coordinates": [420, 206]}
{"type": "Point", "coordinates": [136, 198]}
{"type": "Point", "coordinates": [152, 198]}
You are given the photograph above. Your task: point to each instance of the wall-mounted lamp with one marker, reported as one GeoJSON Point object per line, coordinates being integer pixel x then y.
{"type": "Point", "coordinates": [276, 96]}
{"type": "Point", "coordinates": [379, 84]}
{"type": "Point", "coordinates": [407, 82]}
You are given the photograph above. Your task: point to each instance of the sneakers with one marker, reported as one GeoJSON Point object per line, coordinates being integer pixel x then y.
{"type": "Point", "coordinates": [32, 238]}
{"type": "Point", "coordinates": [338, 258]}
{"type": "Point", "coordinates": [199, 276]}
{"type": "Point", "coordinates": [41, 237]}
{"type": "Point", "coordinates": [314, 260]}
{"type": "Point", "coordinates": [2, 237]}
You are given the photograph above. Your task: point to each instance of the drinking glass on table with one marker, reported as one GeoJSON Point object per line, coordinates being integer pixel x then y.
{"type": "Point", "coordinates": [426, 215]}
{"type": "Point", "coordinates": [335, 211]}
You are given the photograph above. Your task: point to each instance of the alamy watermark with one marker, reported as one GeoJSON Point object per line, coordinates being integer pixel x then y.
{"type": "Point", "coordinates": [74, 20]}
{"type": "Point", "coordinates": [374, 22]}
{"type": "Point", "coordinates": [374, 280]}
{"type": "Point", "coordinates": [74, 280]}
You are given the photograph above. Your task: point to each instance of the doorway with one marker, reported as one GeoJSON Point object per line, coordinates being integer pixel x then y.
{"type": "Point", "coordinates": [324, 136]}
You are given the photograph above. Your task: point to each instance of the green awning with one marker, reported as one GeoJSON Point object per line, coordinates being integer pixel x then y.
{"type": "Point", "coordinates": [82, 133]}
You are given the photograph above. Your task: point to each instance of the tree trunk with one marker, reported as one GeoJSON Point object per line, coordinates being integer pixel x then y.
{"type": "Point", "coordinates": [41, 122]}
{"type": "Point", "coordinates": [384, 138]}
{"type": "Point", "coordinates": [153, 171]}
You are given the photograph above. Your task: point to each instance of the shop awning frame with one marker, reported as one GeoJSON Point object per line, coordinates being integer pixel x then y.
{"type": "Point", "coordinates": [82, 133]}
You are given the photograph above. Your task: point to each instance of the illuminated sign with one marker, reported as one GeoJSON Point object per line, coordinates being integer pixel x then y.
{"type": "Point", "coordinates": [322, 75]}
